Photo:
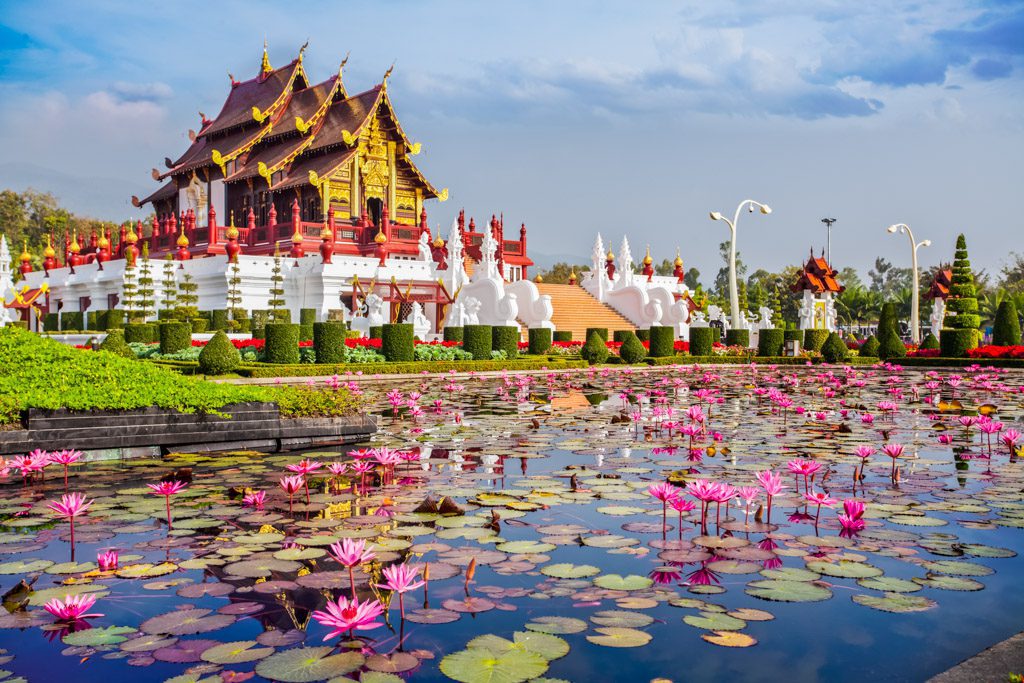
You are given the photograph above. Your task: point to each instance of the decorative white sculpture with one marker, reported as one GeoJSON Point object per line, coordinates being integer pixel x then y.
{"type": "Point", "coordinates": [472, 311]}
{"type": "Point", "coordinates": [420, 322]}
{"type": "Point", "coordinates": [424, 247]}
{"type": "Point", "coordinates": [938, 316]}
{"type": "Point", "coordinates": [6, 283]}
{"type": "Point", "coordinates": [370, 314]}
{"type": "Point", "coordinates": [625, 269]}
{"type": "Point", "coordinates": [766, 318]}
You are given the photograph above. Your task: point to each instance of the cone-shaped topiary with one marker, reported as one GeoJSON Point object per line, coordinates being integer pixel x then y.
{"type": "Point", "coordinates": [1006, 331]}
{"type": "Point", "coordinates": [662, 341]}
{"type": "Point", "coordinates": [632, 349]}
{"type": "Point", "coordinates": [594, 351]}
{"type": "Point", "coordinates": [219, 356]}
{"type": "Point", "coordinates": [834, 349]}
{"type": "Point", "coordinates": [889, 343]}
{"type": "Point", "coordinates": [115, 343]}
{"type": "Point", "coordinates": [930, 342]}
{"type": "Point", "coordinates": [962, 304]}
{"type": "Point", "coordinates": [702, 340]}
{"type": "Point", "coordinates": [540, 340]}
{"type": "Point", "coordinates": [869, 347]}
{"type": "Point", "coordinates": [814, 339]}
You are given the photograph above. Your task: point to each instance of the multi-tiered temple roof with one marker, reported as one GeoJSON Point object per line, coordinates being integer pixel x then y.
{"type": "Point", "coordinates": [817, 276]}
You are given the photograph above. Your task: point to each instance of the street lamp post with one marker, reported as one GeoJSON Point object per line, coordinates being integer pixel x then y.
{"type": "Point", "coordinates": [828, 239]}
{"type": "Point", "coordinates": [734, 296]}
{"type": "Point", "coordinates": [915, 332]}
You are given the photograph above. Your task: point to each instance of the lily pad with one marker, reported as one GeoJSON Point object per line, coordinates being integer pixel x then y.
{"type": "Point", "coordinates": [98, 637]}
{"type": "Point", "coordinates": [569, 571]}
{"type": "Point", "coordinates": [236, 652]}
{"type": "Point", "coordinates": [845, 569]}
{"type": "Point", "coordinates": [308, 664]}
{"type": "Point", "coordinates": [715, 621]}
{"type": "Point", "coordinates": [895, 602]}
{"type": "Point", "coordinates": [617, 582]}
{"type": "Point", "coordinates": [480, 665]}
{"type": "Point", "coordinates": [610, 636]}
{"type": "Point", "coordinates": [778, 590]}
{"type": "Point", "coordinates": [729, 639]}
{"type": "Point", "coordinates": [557, 625]}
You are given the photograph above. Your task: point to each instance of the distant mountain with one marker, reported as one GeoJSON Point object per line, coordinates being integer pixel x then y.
{"type": "Point", "coordinates": [84, 195]}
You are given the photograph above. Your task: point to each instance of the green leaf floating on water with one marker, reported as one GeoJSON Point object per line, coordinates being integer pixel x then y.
{"type": "Point", "coordinates": [714, 621]}
{"type": "Point", "coordinates": [236, 652]}
{"type": "Point", "coordinates": [547, 646]}
{"type": "Point", "coordinates": [949, 583]}
{"type": "Point", "coordinates": [621, 618]}
{"type": "Point", "coordinates": [889, 584]}
{"type": "Point", "coordinates": [97, 637]}
{"type": "Point", "coordinates": [557, 625]}
{"type": "Point", "coordinates": [895, 602]}
{"type": "Point", "coordinates": [610, 636]}
{"type": "Point", "coordinates": [623, 583]}
{"type": "Point", "coordinates": [570, 571]}
{"type": "Point", "coordinates": [308, 664]}
{"type": "Point", "coordinates": [185, 622]}
{"type": "Point", "coordinates": [480, 665]}
{"type": "Point", "coordinates": [955, 568]}
{"type": "Point", "coordinates": [788, 591]}
{"type": "Point", "coordinates": [845, 569]}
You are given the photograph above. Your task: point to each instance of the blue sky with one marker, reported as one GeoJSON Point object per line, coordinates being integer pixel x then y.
{"type": "Point", "coordinates": [623, 118]}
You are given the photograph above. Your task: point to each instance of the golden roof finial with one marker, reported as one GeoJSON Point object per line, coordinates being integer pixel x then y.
{"type": "Point", "coordinates": [48, 252]}
{"type": "Point", "coordinates": [131, 237]}
{"type": "Point", "coordinates": [438, 242]}
{"type": "Point", "coordinates": [610, 256]}
{"type": "Point", "coordinates": [387, 74]}
{"type": "Point", "coordinates": [25, 256]}
{"type": "Point", "coordinates": [296, 236]}
{"type": "Point", "coordinates": [539, 278]}
{"type": "Point", "coordinates": [232, 232]}
{"type": "Point", "coordinates": [103, 242]}
{"type": "Point", "coordinates": [647, 259]}
{"type": "Point", "coordinates": [303, 49]}
{"type": "Point", "coordinates": [326, 233]}
{"type": "Point", "coordinates": [341, 66]}
{"type": "Point", "coordinates": [380, 237]}
{"type": "Point", "coordinates": [679, 259]}
{"type": "Point", "coordinates": [265, 66]}
{"type": "Point", "coordinates": [75, 246]}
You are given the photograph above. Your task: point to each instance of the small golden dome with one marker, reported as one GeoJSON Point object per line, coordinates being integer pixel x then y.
{"type": "Point", "coordinates": [647, 259]}
{"type": "Point", "coordinates": [131, 237]}
{"type": "Point", "coordinates": [49, 252]}
{"type": "Point", "coordinates": [380, 237]}
{"type": "Point", "coordinates": [679, 259]}
{"type": "Point", "coordinates": [232, 232]}
{"type": "Point", "coordinates": [182, 240]}
{"type": "Point", "coordinates": [296, 236]}
{"type": "Point", "coordinates": [539, 278]}
{"type": "Point", "coordinates": [326, 233]}
{"type": "Point", "coordinates": [103, 242]}
{"type": "Point", "coordinates": [438, 242]}
{"type": "Point", "coordinates": [610, 256]}
{"type": "Point", "coordinates": [25, 256]}
{"type": "Point", "coordinates": [75, 246]}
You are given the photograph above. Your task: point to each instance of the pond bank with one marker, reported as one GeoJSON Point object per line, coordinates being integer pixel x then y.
{"type": "Point", "coordinates": [994, 664]}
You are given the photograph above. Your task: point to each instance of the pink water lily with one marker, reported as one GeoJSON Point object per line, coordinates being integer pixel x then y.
{"type": "Point", "coordinates": [107, 561]}
{"type": "Point", "coordinates": [72, 608]}
{"type": "Point", "coordinates": [851, 520]}
{"type": "Point", "coordinates": [772, 484]}
{"type": "Point", "coordinates": [292, 485]}
{"type": "Point", "coordinates": [894, 451]}
{"type": "Point", "coordinates": [65, 458]}
{"type": "Point", "coordinates": [168, 489]}
{"type": "Point", "coordinates": [351, 553]}
{"type": "Point", "coordinates": [305, 467]}
{"type": "Point", "coordinates": [402, 578]}
{"type": "Point", "coordinates": [663, 492]}
{"type": "Point", "coordinates": [255, 500]}
{"type": "Point", "coordinates": [1011, 437]}
{"type": "Point", "coordinates": [70, 506]}
{"type": "Point", "coordinates": [819, 499]}
{"type": "Point", "coordinates": [346, 616]}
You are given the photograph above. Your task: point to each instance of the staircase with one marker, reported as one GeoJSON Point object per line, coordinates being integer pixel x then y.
{"type": "Point", "coordinates": [575, 310]}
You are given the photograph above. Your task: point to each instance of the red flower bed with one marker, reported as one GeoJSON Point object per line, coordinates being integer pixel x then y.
{"type": "Point", "coordinates": [923, 353]}
{"type": "Point", "coordinates": [997, 352]}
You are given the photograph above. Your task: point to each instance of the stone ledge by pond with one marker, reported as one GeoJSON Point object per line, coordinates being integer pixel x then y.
{"type": "Point", "coordinates": [239, 425]}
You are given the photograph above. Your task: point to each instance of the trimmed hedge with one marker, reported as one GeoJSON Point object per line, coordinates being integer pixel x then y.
{"type": "Point", "coordinates": [632, 349]}
{"type": "Point", "coordinates": [329, 342]}
{"type": "Point", "coordinates": [505, 338]}
{"type": "Point", "coordinates": [930, 342]}
{"type": "Point", "coordinates": [771, 342]}
{"type": "Point", "coordinates": [603, 331]}
{"type": "Point", "coordinates": [93, 319]}
{"type": "Point", "coordinates": [165, 314]}
{"type": "Point", "coordinates": [200, 324]}
{"type": "Point", "coordinates": [621, 335]}
{"type": "Point", "coordinates": [417, 367]}
{"type": "Point", "coordinates": [869, 347]}
{"type": "Point", "coordinates": [814, 339]}
{"type": "Point", "coordinates": [834, 349]}
{"type": "Point", "coordinates": [397, 342]}
{"type": "Point", "coordinates": [307, 316]}
{"type": "Point", "coordinates": [174, 337]}
{"type": "Point", "coordinates": [562, 336]}
{"type": "Point", "coordinates": [793, 335]}
{"type": "Point", "coordinates": [259, 320]}
{"type": "Point", "coordinates": [219, 356]}
{"type": "Point", "coordinates": [1006, 330]}
{"type": "Point", "coordinates": [305, 332]}
{"type": "Point", "coordinates": [595, 350]}
{"type": "Point", "coordinates": [737, 338]}
{"type": "Point", "coordinates": [453, 333]}
{"type": "Point", "coordinates": [962, 304]}
{"type": "Point", "coordinates": [477, 340]}
{"type": "Point", "coordinates": [140, 333]}
{"type": "Point", "coordinates": [954, 343]}
{"type": "Point", "coordinates": [115, 343]}
{"type": "Point", "coordinates": [376, 331]}
{"type": "Point", "coordinates": [50, 322]}
{"type": "Point", "coordinates": [218, 320]}
{"type": "Point", "coordinates": [72, 320]}
{"type": "Point", "coordinates": [662, 342]}
{"type": "Point", "coordinates": [644, 335]}
{"type": "Point", "coordinates": [540, 340]}
{"type": "Point", "coordinates": [889, 343]}
{"type": "Point", "coordinates": [282, 344]}
{"type": "Point", "coordinates": [702, 340]}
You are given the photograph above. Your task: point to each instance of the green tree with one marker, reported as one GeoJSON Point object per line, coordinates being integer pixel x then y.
{"type": "Point", "coordinates": [691, 279]}
{"type": "Point", "coordinates": [722, 278]}
{"type": "Point", "coordinates": [129, 291]}
{"type": "Point", "coordinates": [277, 301]}
{"type": "Point", "coordinates": [1012, 276]}
{"type": "Point", "coordinates": [962, 305]}
{"type": "Point", "coordinates": [743, 301]}
{"type": "Point", "coordinates": [146, 289]}
{"type": "Point", "coordinates": [887, 279]}
{"type": "Point", "coordinates": [234, 298]}
{"type": "Point", "coordinates": [169, 288]}
{"type": "Point", "coordinates": [756, 298]}
{"type": "Point", "coordinates": [188, 299]}
{"type": "Point", "coordinates": [558, 274]}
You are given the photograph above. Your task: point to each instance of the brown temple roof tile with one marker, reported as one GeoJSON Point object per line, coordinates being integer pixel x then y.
{"type": "Point", "coordinates": [261, 92]}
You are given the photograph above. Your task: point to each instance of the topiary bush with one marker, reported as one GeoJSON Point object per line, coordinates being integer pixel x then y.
{"type": "Point", "coordinates": [632, 349]}
{"type": "Point", "coordinates": [814, 339]}
{"type": "Point", "coordinates": [137, 333]}
{"type": "Point", "coordinates": [643, 335]}
{"type": "Point", "coordinates": [793, 335]}
{"type": "Point", "coordinates": [1006, 330]}
{"type": "Point", "coordinates": [218, 319]}
{"type": "Point", "coordinates": [955, 343]}
{"type": "Point", "coordinates": [870, 347]}
{"type": "Point", "coordinates": [397, 342]}
{"type": "Point", "coordinates": [506, 338]}
{"type": "Point", "coordinates": [889, 343]}
{"type": "Point", "coordinates": [307, 316]}
{"type": "Point", "coordinates": [562, 336]}
{"type": "Point", "coordinates": [930, 342]}
{"type": "Point", "coordinates": [115, 343]}
{"type": "Point", "coordinates": [540, 340]}
{"type": "Point", "coordinates": [219, 356]}
{"type": "Point", "coordinates": [72, 320]}
{"type": "Point", "coordinates": [603, 331]}
{"type": "Point", "coordinates": [282, 345]}
{"type": "Point", "coordinates": [306, 332]}
{"type": "Point", "coordinates": [594, 351]}
{"type": "Point", "coordinates": [771, 342]}
{"type": "Point", "coordinates": [453, 333]}
{"type": "Point", "coordinates": [50, 322]}
{"type": "Point", "coordinates": [621, 335]}
{"type": "Point", "coordinates": [738, 338]}
{"type": "Point", "coordinates": [93, 320]}
{"type": "Point", "coordinates": [174, 337]}
{"type": "Point", "coordinates": [962, 304]}
{"type": "Point", "coordinates": [834, 349]}
{"type": "Point", "coordinates": [329, 342]}
{"type": "Point", "coordinates": [375, 331]}
{"type": "Point", "coordinates": [702, 340]}
{"type": "Point", "coordinates": [477, 339]}
{"type": "Point", "coordinates": [662, 342]}
{"type": "Point", "coordinates": [259, 320]}
{"type": "Point", "coordinates": [199, 325]}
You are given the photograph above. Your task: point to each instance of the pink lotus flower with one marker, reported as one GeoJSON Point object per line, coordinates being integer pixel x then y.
{"type": "Point", "coordinates": [168, 489]}
{"type": "Point", "coordinates": [945, 439]}
{"type": "Point", "coordinates": [255, 500]}
{"type": "Point", "coordinates": [65, 458]}
{"type": "Point", "coordinates": [852, 521]}
{"type": "Point", "coordinates": [867, 418]}
{"type": "Point", "coordinates": [346, 616]}
{"type": "Point", "coordinates": [772, 484]}
{"type": "Point", "coordinates": [663, 492]}
{"type": "Point", "coordinates": [291, 485]}
{"type": "Point", "coordinates": [72, 608]}
{"type": "Point", "coordinates": [1011, 437]}
{"type": "Point", "coordinates": [305, 467]}
{"type": "Point", "coordinates": [338, 468]}
{"type": "Point", "coordinates": [401, 578]}
{"type": "Point", "coordinates": [894, 451]}
{"type": "Point", "coordinates": [350, 553]}
{"type": "Point", "coordinates": [70, 506]}
{"type": "Point", "coordinates": [107, 561]}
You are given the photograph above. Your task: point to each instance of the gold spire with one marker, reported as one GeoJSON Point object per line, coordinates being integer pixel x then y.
{"type": "Point", "coordinates": [380, 238]}
{"type": "Point", "coordinates": [25, 256]}
{"type": "Point", "coordinates": [103, 242]}
{"type": "Point", "coordinates": [438, 242]}
{"type": "Point", "coordinates": [539, 278]}
{"type": "Point", "coordinates": [326, 233]}
{"type": "Point", "coordinates": [265, 67]}
{"type": "Point", "coordinates": [131, 237]}
{"type": "Point", "coordinates": [232, 232]}
{"type": "Point", "coordinates": [296, 236]}
{"type": "Point", "coordinates": [610, 256]}
{"type": "Point", "coordinates": [679, 259]}
{"type": "Point", "coordinates": [387, 74]}
{"type": "Point", "coordinates": [49, 252]}
{"type": "Point", "coordinates": [75, 246]}
{"type": "Point", "coordinates": [647, 259]}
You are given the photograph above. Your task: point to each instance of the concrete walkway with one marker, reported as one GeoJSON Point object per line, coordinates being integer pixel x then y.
{"type": "Point", "coordinates": [993, 665]}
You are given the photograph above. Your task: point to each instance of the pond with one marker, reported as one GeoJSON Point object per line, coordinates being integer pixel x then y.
{"type": "Point", "coordinates": [527, 498]}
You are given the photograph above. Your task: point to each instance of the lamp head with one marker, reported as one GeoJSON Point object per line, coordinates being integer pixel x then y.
{"type": "Point", "coordinates": [765, 209]}
{"type": "Point", "coordinates": [715, 216]}
{"type": "Point", "coordinates": [892, 228]}
{"type": "Point", "coordinates": [926, 243]}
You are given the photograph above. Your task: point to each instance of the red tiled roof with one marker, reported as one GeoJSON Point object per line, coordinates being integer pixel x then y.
{"type": "Point", "coordinates": [260, 92]}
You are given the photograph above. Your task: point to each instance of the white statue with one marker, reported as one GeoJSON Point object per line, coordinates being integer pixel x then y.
{"type": "Point", "coordinates": [488, 258]}
{"type": "Point", "coordinates": [420, 322]}
{"type": "Point", "coordinates": [472, 310]}
{"type": "Point", "coordinates": [6, 283]}
{"type": "Point", "coordinates": [375, 310]}
{"type": "Point", "coordinates": [938, 316]}
{"type": "Point", "coordinates": [597, 256]}
{"type": "Point", "coordinates": [424, 246]}
{"type": "Point", "coordinates": [698, 319]}
{"type": "Point", "coordinates": [807, 310]}
{"type": "Point", "coordinates": [766, 318]}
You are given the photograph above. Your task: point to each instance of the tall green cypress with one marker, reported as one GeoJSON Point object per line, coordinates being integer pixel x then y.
{"type": "Point", "coordinates": [962, 304]}
{"type": "Point", "coordinates": [277, 301]}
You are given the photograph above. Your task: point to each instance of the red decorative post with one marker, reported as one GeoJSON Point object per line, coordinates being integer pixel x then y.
{"type": "Point", "coordinates": [232, 248]}
{"type": "Point", "coordinates": [609, 264]}
{"type": "Point", "coordinates": [131, 252]}
{"type": "Point", "coordinates": [103, 249]}
{"type": "Point", "coordinates": [211, 222]}
{"type": "Point", "coordinates": [183, 253]}
{"type": "Point", "coordinates": [296, 251]}
{"type": "Point", "coordinates": [678, 272]}
{"type": "Point", "coordinates": [327, 242]}
{"type": "Point", "coordinates": [522, 248]}
{"type": "Point", "coordinates": [26, 260]}
{"type": "Point", "coordinates": [423, 219]}
{"type": "Point", "coordinates": [648, 268]}
{"type": "Point", "coordinates": [49, 257]}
